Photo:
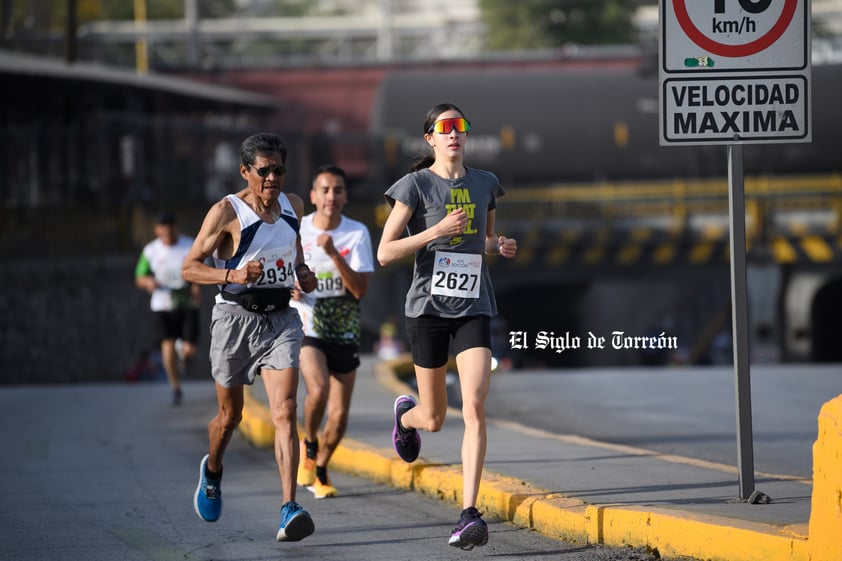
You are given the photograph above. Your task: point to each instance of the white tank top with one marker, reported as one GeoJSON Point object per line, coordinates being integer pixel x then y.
{"type": "Point", "coordinates": [274, 245]}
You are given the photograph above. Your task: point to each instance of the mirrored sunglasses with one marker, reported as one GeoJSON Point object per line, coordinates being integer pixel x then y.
{"type": "Point", "coordinates": [444, 126]}
{"type": "Point", "coordinates": [266, 170]}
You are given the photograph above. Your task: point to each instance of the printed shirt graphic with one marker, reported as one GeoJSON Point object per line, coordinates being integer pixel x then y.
{"type": "Point", "coordinates": [432, 197]}
{"type": "Point", "coordinates": [164, 263]}
{"type": "Point", "coordinates": [271, 244]}
{"type": "Point", "coordinates": [330, 312]}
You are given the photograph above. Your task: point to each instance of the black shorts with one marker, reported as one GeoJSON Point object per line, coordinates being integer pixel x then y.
{"type": "Point", "coordinates": [341, 359]}
{"type": "Point", "coordinates": [178, 324]}
{"type": "Point", "coordinates": [429, 337]}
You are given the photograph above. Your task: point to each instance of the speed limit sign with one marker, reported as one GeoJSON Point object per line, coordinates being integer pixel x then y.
{"type": "Point", "coordinates": [734, 71]}
{"type": "Point", "coordinates": [729, 35]}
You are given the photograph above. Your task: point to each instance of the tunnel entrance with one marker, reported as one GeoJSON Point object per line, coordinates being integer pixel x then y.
{"type": "Point", "coordinates": [826, 323]}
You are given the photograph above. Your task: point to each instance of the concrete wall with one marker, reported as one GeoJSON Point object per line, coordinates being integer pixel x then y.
{"type": "Point", "coordinates": [76, 320]}
{"type": "Point", "coordinates": [81, 319]}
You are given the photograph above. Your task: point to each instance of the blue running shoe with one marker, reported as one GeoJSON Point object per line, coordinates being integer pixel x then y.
{"type": "Point", "coordinates": [407, 442]}
{"type": "Point", "coordinates": [207, 501]}
{"type": "Point", "coordinates": [296, 523]}
{"type": "Point", "coordinates": [471, 531]}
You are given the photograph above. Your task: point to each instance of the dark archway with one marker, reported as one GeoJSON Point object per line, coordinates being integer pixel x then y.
{"type": "Point", "coordinates": [826, 323]}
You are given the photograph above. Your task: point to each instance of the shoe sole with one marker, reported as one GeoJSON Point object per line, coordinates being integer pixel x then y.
{"type": "Point", "coordinates": [312, 489]}
{"type": "Point", "coordinates": [202, 465]}
{"type": "Point", "coordinates": [298, 527]}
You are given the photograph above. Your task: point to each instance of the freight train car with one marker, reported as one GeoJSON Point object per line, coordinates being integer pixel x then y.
{"type": "Point", "coordinates": [582, 123]}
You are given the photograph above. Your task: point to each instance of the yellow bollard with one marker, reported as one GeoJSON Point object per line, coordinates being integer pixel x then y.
{"type": "Point", "coordinates": [824, 540]}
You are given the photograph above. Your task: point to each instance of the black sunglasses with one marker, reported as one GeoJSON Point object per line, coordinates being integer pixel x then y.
{"type": "Point", "coordinates": [266, 170]}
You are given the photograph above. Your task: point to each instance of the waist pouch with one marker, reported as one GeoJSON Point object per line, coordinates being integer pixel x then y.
{"type": "Point", "coordinates": [261, 300]}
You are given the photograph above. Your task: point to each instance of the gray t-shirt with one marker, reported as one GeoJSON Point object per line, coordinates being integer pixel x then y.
{"type": "Point", "coordinates": [450, 277]}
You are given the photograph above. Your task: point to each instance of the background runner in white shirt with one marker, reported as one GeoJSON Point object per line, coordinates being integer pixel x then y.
{"type": "Point", "coordinates": [174, 301]}
{"type": "Point", "coordinates": [339, 251]}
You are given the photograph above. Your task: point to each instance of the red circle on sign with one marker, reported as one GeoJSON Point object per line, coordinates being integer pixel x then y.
{"type": "Point", "coordinates": [733, 51]}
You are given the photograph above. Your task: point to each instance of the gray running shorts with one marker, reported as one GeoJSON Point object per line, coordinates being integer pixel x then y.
{"type": "Point", "coordinates": [242, 343]}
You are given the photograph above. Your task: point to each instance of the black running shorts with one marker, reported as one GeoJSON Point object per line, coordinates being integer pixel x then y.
{"type": "Point", "coordinates": [178, 324]}
{"type": "Point", "coordinates": [430, 337]}
{"type": "Point", "coordinates": [341, 359]}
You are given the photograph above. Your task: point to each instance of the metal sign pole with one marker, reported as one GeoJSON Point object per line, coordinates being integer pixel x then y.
{"type": "Point", "coordinates": [698, 74]}
{"type": "Point", "coordinates": [739, 315]}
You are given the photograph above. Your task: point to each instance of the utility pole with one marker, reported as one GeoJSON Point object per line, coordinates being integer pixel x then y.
{"type": "Point", "coordinates": [70, 33]}
{"type": "Point", "coordinates": [141, 47]}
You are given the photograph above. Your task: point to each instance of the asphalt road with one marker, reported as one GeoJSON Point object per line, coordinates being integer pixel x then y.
{"type": "Point", "coordinates": [107, 472]}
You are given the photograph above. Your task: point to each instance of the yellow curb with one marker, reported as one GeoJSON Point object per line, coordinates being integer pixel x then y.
{"type": "Point", "coordinates": [563, 518]}
{"type": "Point", "coordinates": [256, 424]}
{"type": "Point", "coordinates": [671, 533]}
{"type": "Point", "coordinates": [391, 373]}
{"type": "Point", "coordinates": [704, 537]}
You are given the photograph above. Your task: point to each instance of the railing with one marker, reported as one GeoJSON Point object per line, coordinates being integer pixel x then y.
{"type": "Point", "coordinates": [676, 223]}
{"type": "Point", "coordinates": [774, 205]}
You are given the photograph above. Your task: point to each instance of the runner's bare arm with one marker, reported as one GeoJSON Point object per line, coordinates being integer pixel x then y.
{"type": "Point", "coordinates": [355, 282]}
{"type": "Point", "coordinates": [393, 247]}
{"type": "Point", "coordinates": [494, 244]}
{"type": "Point", "coordinates": [305, 278]}
{"type": "Point", "coordinates": [214, 234]}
